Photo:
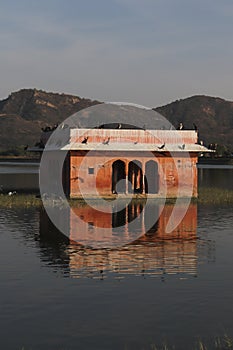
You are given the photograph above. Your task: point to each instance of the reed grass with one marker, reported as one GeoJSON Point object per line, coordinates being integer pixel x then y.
{"type": "Point", "coordinates": [219, 343]}
{"type": "Point", "coordinates": [215, 196]}
{"type": "Point", "coordinates": [19, 200]}
{"type": "Point", "coordinates": [208, 196]}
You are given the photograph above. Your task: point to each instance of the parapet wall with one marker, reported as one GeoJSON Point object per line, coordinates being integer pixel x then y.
{"type": "Point", "coordinates": [134, 135]}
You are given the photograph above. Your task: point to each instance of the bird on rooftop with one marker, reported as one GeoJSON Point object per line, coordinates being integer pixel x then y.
{"type": "Point", "coordinates": [182, 146]}
{"type": "Point", "coordinates": [46, 128]}
{"type": "Point", "coordinates": [195, 127]}
{"type": "Point", "coordinates": [85, 140]}
{"type": "Point", "coordinates": [181, 126]}
{"type": "Point", "coordinates": [106, 142]}
{"type": "Point", "coordinates": [161, 147]}
{"type": "Point", "coordinates": [64, 126]}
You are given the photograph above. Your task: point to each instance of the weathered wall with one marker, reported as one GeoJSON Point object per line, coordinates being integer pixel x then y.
{"type": "Point", "coordinates": [91, 172]}
{"type": "Point", "coordinates": [142, 136]}
{"type": "Point", "coordinates": [176, 175]}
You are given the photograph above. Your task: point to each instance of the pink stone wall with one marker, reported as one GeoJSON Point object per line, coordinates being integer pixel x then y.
{"type": "Point", "coordinates": [174, 173]}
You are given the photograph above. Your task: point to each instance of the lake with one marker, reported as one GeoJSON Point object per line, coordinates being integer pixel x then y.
{"type": "Point", "coordinates": [172, 287]}
{"type": "Point", "coordinates": [23, 177]}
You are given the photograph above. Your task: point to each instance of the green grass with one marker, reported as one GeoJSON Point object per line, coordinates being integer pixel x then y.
{"type": "Point", "coordinates": [19, 200]}
{"type": "Point", "coordinates": [211, 196]}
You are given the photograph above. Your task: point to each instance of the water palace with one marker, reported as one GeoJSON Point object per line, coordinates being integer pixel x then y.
{"type": "Point", "coordinates": [120, 160]}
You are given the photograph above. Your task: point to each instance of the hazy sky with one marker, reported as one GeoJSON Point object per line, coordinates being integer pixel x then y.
{"type": "Point", "coordinates": [148, 52]}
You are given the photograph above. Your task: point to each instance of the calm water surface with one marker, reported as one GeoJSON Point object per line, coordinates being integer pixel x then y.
{"type": "Point", "coordinates": [23, 177]}
{"type": "Point", "coordinates": [220, 176]}
{"type": "Point", "coordinates": [176, 287]}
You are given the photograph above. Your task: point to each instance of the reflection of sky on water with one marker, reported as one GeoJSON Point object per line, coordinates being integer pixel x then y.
{"type": "Point", "coordinates": [19, 177]}
{"type": "Point", "coordinates": [19, 168]}
{"type": "Point", "coordinates": [58, 294]}
{"type": "Point", "coordinates": [153, 254]}
{"type": "Point", "coordinates": [217, 176]}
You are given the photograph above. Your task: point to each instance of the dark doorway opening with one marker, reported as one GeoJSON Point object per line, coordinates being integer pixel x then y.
{"type": "Point", "coordinates": [119, 220]}
{"type": "Point", "coordinates": [118, 174]}
{"type": "Point", "coordinates": [151, 177]}
{"type": "Point", "coordinates": [135, 177]}
{"type": "Point", "coordinates": [151, 218]}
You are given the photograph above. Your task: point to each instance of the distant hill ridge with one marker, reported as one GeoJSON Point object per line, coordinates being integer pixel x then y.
{"type": "Point", "coordinates": [212, 115]}
{"type": "Point", "coordinates": [25, 112]}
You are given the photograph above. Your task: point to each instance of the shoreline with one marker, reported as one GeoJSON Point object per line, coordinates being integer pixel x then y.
{"type": "Point", "coordinates": [206, 196]}
{"type": "Point", "coordinates": [215, 161]}
{"type": "Point", "coordinates": [201, 160]}
{"type": "Point", "coordinates": [4, 159]}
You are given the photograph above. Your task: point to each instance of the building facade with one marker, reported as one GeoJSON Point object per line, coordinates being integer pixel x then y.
{"type": "Point", "coordinates": [135, 162]}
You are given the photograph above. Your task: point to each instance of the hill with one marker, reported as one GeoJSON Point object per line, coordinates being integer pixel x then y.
{"type": "Point", "coordinates": [213, 117]}
{"type": "Point", "coordinates": [25, 112]}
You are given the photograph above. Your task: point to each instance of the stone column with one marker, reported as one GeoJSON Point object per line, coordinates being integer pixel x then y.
{"type": "Point", "coordinates": [126, 176]}
{"type": "Point", "coordinates": [143, 175]}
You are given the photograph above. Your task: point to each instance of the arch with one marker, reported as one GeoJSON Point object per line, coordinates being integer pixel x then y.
{"type": "Point", "coordinates": [151, 177]}
{"type": "Point", "coordinates": [135, 177]}
{"type": "Point", "coordinates": [118, 174]}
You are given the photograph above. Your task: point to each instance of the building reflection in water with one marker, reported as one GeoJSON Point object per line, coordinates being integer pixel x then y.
{"type": "Point", "coordinates": [154, 253]}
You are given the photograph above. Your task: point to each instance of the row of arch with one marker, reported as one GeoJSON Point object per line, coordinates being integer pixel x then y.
{"type": "Point", "coordinates": [133, 180]}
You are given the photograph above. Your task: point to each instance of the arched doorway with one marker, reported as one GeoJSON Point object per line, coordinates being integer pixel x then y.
{"type": "Point", "coordinates": [118, 174]}
{"type": "Point", "coordinates": [135, 177]}
{"type": "Point", "coordinates": [151, 177]}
